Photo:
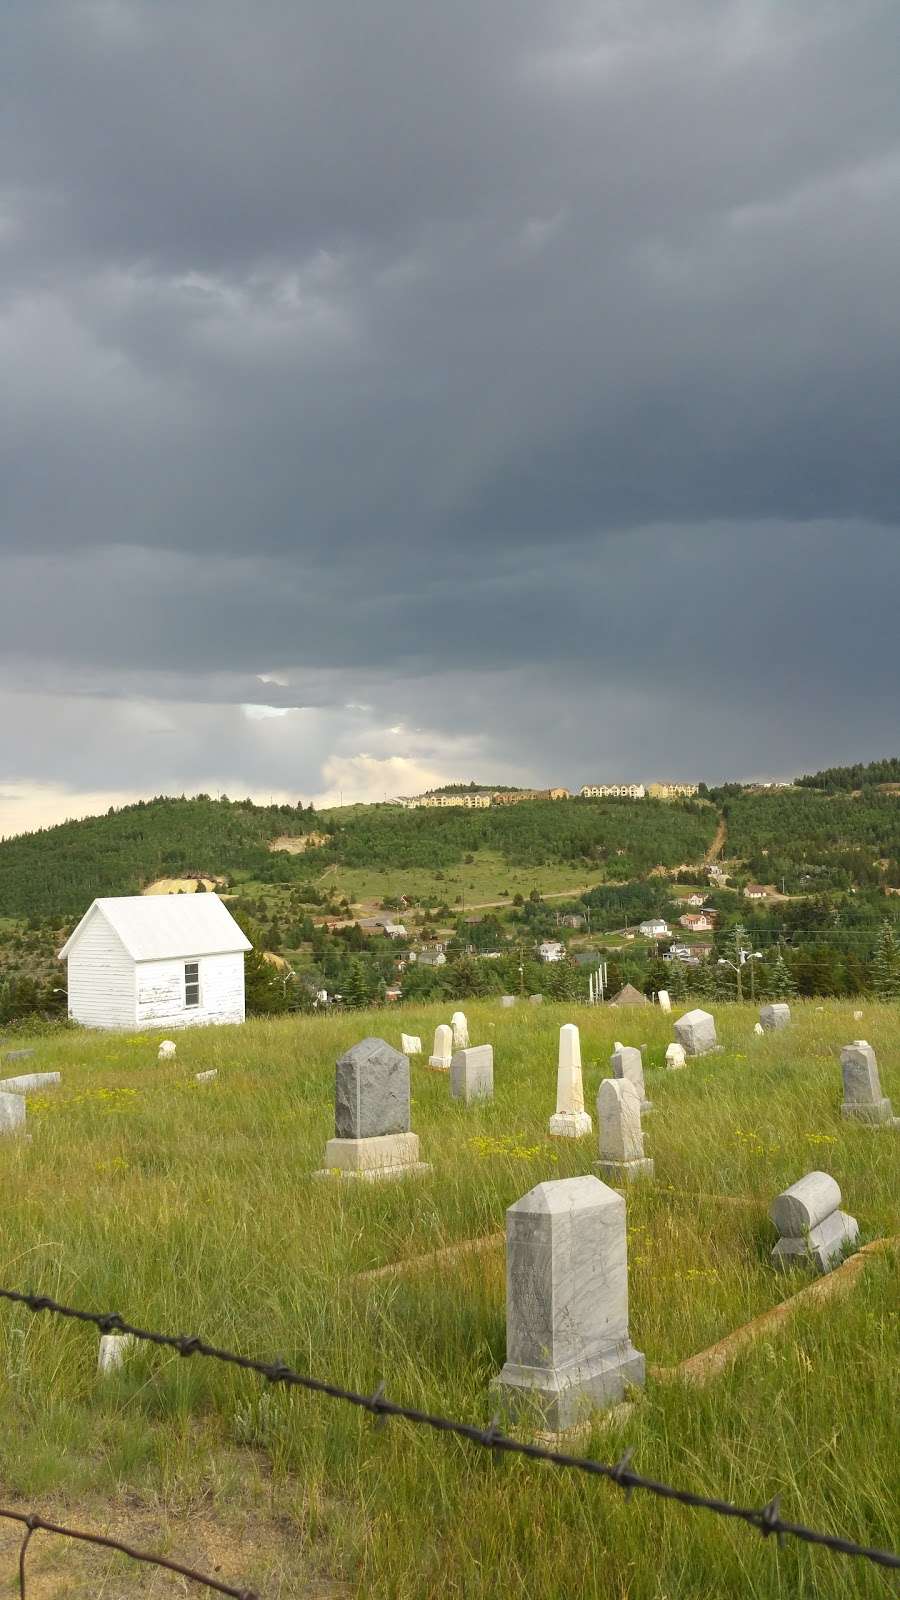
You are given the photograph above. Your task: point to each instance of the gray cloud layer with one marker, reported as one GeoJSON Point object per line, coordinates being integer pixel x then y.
{"type": "Point", "coordinates": [528, 377]}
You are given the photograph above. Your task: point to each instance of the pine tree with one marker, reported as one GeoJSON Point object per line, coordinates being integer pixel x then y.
{"type": "Point", "coordinates": [886, 964]}
{"type": "Point", "coordinates": [779, 980]}
{"type": "Point", "coordinates": [357, 990]}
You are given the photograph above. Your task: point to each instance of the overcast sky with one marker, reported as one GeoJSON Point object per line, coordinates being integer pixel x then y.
{"type": "Point", "coordinates": [400, 392]}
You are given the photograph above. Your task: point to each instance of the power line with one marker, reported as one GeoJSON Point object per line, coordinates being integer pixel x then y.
{"type": "Point", "coordinates": [33, 1523]}
{"type": "Point", "coordinates": [766, 1519]}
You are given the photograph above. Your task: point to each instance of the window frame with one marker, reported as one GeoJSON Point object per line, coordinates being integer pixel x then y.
{"type": "Point", "coordinates": [191, 984]}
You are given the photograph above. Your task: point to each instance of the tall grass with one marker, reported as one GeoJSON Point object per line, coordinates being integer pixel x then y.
{"type": "Point", "coordinates": [191, 1208]}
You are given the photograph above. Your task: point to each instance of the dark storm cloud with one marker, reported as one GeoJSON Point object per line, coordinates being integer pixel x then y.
{"type": "Point", "coordinates": [463, 362]}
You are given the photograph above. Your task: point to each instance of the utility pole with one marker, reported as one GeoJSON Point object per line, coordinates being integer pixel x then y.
{"type": "Point", "coordinates": [737, 953]}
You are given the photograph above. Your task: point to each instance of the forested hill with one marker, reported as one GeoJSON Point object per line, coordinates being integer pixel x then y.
{"type": "Point", "coordinates": [61, 870]}
{"type": "Point", "coordinates": [859, 776]}
{"type": "Point", "coordinates": [58, 871]}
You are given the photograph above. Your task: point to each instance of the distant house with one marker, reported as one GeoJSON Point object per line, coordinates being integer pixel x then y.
{"type": "Point", "coordinates": [551, 950]}
{"type": "Point", "coordinates": [429, 958]}
{"type": "Point", "coordinates": [629, 996]}
{"type": "Point", "coordinates": [696, 921]}
{"type": "Point", "coordinates": [694, 899]}
{"type": "Point", "coordinates": [756, 891]}
{"type": "Point", "coordinates": [572, 919]}
{"type": "Point", "coordinates": [394, 993]}
{"type": "Point", "coordinates": [558, 794]}
{"type": "Point", "coordinates": [394, 930]}
{"type": "Point", "coordinates": [144, 961]}
{"type": "Point", "coordinates": [654, 928]}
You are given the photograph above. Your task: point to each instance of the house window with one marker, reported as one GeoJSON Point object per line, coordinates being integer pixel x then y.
{"type": "Point", "coordinates": [192, 983]}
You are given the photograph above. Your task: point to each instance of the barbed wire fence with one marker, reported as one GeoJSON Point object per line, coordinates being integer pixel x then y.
{"type": "Point", "coordinates": [33, 1523]}
{"type": "Point", "coordinates": [767, 1520]}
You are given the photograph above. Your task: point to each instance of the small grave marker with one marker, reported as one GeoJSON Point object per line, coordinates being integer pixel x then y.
{"type": "Point", "coordinates": [814, 1230]}
{"type": "Point", "coordinates": [472, 1073]}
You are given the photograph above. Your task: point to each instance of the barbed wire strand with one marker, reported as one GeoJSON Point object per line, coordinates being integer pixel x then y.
{"type": "Point", "coordinates": [767, 1519]}
{"type": "Point", "coordinates": [37, 1524]}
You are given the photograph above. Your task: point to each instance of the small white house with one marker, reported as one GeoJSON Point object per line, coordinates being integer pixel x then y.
{"type": "Point", "coordinates": [551, 950]}
{"type": "Point", "coordinates": [654, 928]}
{"type": "Point", "coordinates": [145, 961]}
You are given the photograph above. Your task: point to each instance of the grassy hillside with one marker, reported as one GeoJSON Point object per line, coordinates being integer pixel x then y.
{"type": "Point", "coordinates": [58, 871]}
{"type": "Point", "coordinates": [191, 1208]}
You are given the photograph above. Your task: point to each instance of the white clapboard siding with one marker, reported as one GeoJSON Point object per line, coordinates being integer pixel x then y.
{"type": "Point", "coordinates": [128, 954]}
{"type": "Point", "coordinates": [160, 992]}
{"type": "Point", "coordinates": [101, 979]}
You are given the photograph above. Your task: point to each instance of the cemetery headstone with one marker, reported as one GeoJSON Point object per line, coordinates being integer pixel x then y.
{"type": "Point", "coordinates": [570, 1120]}
{"type": "Point", "coordinates": [696, 1030]}
{"type": "Point", "coordinates": [622, 1156]}
{"type": "Point", "coordinates": [166, 1050]}
{"type": "Point", "coordinates": [665, 1003]}
{"type": "Point", "coordinates": [472, 1073]}
{"type": "Point", "coordinates": [568, 1350]}
{"type": "Point", "coordinates": [371, 1115]}
{"type": "Point", "coordinates": [536, 999]}
{"type": "Point", "coordinates": [442, 1050]}
{"type": "Point", "coordinates": [12, 1113]}
{"type": "Point", "coordinates": [29, 1081]}
{"type": "Point", "coordinates": [507, 1001]}
{"type": "Point", "coordinates": [17, 1055]}
{"type": "Point", "coordinates": [863, 1099]}
{"type": "Point", "coordinates": [114, 1348]}
{"type": "Point", "coordinates": [626, 1062]}
{"type": "Point", "coordinates": [675, 1057]}
{"type": "Point", "coordinates": [774, 1017]}
{"type": "Point", "coordinates": [206, 1077]}
{"type": "Point", "coordinates": [857, 1016]}
{"type": "Point", "coordinates": [410, 1044]}
{"type": "Point", "coordinates": [758, 1029]}
{"type": "Point", "coordinates": [460, 1029]}
{"type": "Point", "coordinates": [814, 1230]}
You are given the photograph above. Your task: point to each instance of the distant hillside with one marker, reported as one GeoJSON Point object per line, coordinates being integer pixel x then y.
{"type": "Point", "coordinates": [58, 871]}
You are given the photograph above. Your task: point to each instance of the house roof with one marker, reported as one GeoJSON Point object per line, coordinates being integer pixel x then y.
{"type": "Point", "coordinates": [155, 927]}
{"type": "Point", "coordinates": [629, 996]}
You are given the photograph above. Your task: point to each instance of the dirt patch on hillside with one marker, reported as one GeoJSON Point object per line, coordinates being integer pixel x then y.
{"type": "Point", "coordinates": [295, 844]}
{"type": "Point", "coordinates": [180, 885]}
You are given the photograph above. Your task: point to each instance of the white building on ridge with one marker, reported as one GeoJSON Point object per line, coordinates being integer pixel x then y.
{"type": "Point", "coordinates": [147, 961]}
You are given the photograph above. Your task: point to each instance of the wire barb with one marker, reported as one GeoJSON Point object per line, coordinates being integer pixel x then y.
{"type": "Point", "coordinates": [375, 1399]}
{"type": "Point", "coordinates": [767, 1521]}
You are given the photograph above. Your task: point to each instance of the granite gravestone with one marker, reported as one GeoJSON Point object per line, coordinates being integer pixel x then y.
{"type": "Point", "coordinates": [863, 1099]}
{"type": "Point", "coordinates": [774, 1017]}
{"type": "Point", "coordinates": [568, 1350]}
{"type": "Point", "coordinates": [626, 1062]}
{"type": "Point", "coordinates": [622, 1156]}
{"type": "Point", "coordinates": [472, 1073]}
{"type": "Point", "coordinates": [371, 1115]}
{"type": "Point", "coordinates": [696, 1031]}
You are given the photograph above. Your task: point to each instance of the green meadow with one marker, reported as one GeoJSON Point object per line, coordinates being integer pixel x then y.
{"type": "Point", "coordinates": [191, 1208]}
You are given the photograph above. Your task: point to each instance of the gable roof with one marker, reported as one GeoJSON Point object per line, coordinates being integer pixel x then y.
{"type": "Point", "coordinates": [155, 927]}
{"type": "Point", "coordinates": [629, 996]}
